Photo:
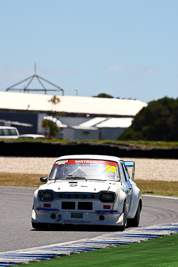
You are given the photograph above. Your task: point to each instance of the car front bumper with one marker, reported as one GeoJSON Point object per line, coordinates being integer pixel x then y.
{"type": "Point", "coordinates": [55, 216]}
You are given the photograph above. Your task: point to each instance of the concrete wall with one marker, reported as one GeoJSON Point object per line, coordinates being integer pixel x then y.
{"type": "Point", "coordinates": [109, 133]}
{"type": "Point", "coordinates": [73, 121]}
{"type": "Point", "coordinates": [80, 134]}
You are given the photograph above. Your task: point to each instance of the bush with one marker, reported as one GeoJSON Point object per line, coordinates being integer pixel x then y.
{"type": "Point", "coordinates": [157, 121]}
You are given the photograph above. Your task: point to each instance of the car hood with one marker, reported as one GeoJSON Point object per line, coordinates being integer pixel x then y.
{"type": "Point", "coordinates": [78, 186]}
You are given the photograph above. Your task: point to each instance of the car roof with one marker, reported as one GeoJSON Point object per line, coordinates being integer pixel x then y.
{"type": "Point", "coordinates": [89, 156]}
{"type": "Point", "coordinates": [32, 135]}
{"type": "Point", "coordinates": [7, 127]}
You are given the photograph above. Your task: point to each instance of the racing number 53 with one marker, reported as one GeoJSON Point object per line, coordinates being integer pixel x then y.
{"type": "Point", "coordinates": [110, 168]}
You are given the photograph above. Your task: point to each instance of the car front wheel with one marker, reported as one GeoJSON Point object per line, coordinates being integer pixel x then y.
{"type": "Point", "coordinates": [40, 226]}
{"type": "Point", "coordinates": [136, 220]}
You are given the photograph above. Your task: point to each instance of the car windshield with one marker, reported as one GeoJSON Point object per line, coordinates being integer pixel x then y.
{"type": "Point", "coordinates": [85, 169]}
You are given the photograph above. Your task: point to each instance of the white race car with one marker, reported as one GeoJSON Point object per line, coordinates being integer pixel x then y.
{"type": "Point", "coordinates": [88, 190]}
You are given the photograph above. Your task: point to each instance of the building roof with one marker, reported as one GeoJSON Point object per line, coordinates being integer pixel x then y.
{"type": "Point", "coordinates": [101, 122]}
{"type": "Point", "coordinates": [70, 104]}
{"type": "Point", "coordinates": [115, 123]}
{"type": "Point", "coordinates": [93, 122]}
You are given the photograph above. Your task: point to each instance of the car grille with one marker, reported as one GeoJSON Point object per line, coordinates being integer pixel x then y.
{"type": "Point", "coordinates": [68, 205]}
{"type": "Point", "coordinates": [81, 205]}
{"type": "Point", "coordinates": [77, 195]}
{"type": "Point", "coordinates": [85, 205]}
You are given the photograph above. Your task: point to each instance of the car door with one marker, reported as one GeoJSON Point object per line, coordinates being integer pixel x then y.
{"type": "Point", "coordinates": [126, 185]}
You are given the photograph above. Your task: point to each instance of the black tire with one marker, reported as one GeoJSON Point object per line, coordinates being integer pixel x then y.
{"type": "Point", "coordinates": [40, 226]}
{"type": "Point", "coordinates": [122, 228]}
{"type": "Point", "coordinates": [136, 220]}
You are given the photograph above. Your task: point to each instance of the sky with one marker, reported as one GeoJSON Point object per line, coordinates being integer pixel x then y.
{"type": "Point", "coordinates": [127, 49]}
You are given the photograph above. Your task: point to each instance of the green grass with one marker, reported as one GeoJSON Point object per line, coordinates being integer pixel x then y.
{"type": "Point", "coordinates": [157, 252]}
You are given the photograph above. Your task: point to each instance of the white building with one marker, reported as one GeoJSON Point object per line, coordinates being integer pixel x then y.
{"type": "Point", "coordinates": [83, 117]}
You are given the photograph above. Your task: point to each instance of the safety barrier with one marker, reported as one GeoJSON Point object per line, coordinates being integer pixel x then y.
{"type": "Point", "coordinates": [50, 149]}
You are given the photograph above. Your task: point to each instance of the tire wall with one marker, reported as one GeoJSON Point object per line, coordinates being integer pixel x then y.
{"type": "Point", "coordinates": [47, 149]}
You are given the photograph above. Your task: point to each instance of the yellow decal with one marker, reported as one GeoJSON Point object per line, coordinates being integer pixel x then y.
{"type": "Point", "coordinates": [110, 168]}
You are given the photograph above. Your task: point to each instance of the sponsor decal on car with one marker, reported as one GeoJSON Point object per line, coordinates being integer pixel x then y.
{"type": "Point", "coordinates": [110, 165]}
{"type": "Point", "coordinates": [87, 161]}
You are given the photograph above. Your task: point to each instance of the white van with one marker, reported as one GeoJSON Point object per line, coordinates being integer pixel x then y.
{"type": "Point", "coordinates": [7, 132]}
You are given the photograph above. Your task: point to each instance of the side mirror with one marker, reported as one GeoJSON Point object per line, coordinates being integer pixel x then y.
{"type": "Point", "coordinates": [43, 179]}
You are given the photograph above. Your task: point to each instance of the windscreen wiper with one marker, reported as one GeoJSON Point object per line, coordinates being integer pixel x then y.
{"type": "Point", "coordinates": [97, 179]}
{"type": "Point", "coordinates": [75, 177]}
{"type": "Point", "coordinates": [59, 178]}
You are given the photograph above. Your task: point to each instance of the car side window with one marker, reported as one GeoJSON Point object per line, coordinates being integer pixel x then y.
{"type": "Point", "coordinates": [124, 172]}
{"type": "Point", "coordinates": [6, 132]}
{"type": "Point", "coordinates": [13, 132]}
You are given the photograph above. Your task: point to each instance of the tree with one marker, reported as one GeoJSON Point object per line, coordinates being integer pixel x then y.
{"type": "Point", "coordinates": [103, 95]}
{"type": "Point", "coordinates": [50, 125]}
{"type": "Point", "coordinates": [156, 122]}
{"type": "Point", "coordinates": [54, 100]}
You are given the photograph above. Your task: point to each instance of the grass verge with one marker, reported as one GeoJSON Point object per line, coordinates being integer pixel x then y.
{"type": "Point", "coordinates": [157, 252]}
{"type": "Point", "coordinates": [19, 179]}
{"type": "Point", "coordinates": [147, 187]}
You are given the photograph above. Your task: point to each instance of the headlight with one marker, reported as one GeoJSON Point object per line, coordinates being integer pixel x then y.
{"type": "Point", "coordinates": [46, 195]}
{"type": "Point", "coordinates": [107, 197]}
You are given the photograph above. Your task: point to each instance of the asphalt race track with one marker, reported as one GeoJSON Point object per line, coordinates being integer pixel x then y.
{"type": "Point", "coordinates": [15, 220]}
